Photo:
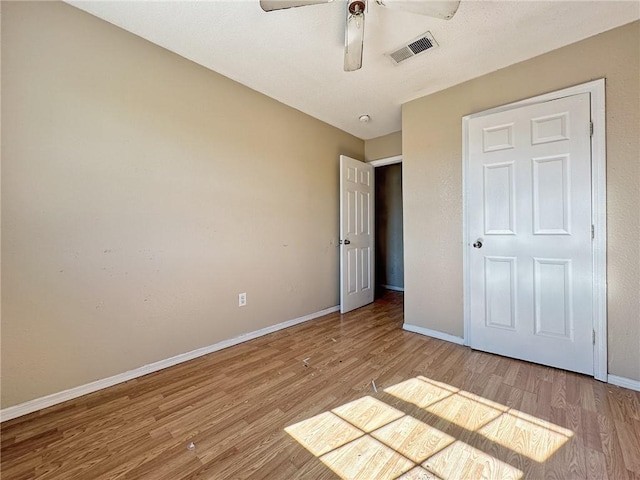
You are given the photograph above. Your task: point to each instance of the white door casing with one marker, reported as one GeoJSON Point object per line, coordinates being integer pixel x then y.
{"type": "Point", "coordinates": [530, 284]}
{"type": "Point", "coordinates": [356, 234]}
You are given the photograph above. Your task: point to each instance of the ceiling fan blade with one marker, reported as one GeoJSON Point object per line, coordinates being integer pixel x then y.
{"type": "Point", "coordinates": [269, 5]}
{"type": "Point", "coordinates": [444, 9]}
{"type": "Point", "coordinates": [354, 40]}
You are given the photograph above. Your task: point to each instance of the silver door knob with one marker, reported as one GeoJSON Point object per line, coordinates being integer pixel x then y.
{"type": "Point", "coordinates": [478, 244]}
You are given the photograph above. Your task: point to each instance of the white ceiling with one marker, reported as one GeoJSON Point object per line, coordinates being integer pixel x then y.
{"type": "Point", "coordinates": [296, 55]}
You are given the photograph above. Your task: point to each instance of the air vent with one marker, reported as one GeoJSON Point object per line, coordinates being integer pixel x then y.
{"type": "Point", "coordinates": [415, 47]}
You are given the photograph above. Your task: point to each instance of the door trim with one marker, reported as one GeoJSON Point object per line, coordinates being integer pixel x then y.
{"type": "Point", "coordinates": [596, 89]}
{"type": "Point", "coordinates": [386, 161]}
{"type": "Point", "coordinates": [382, 162]}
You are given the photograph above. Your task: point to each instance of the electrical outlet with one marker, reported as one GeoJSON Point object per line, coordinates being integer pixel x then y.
{"type": "Point", "coordinates": [242, 299]}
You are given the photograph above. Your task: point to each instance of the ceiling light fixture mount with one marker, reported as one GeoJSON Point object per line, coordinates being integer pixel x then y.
{"type": "Point", "coordinates": [364, 118]}
{"type": "Point", "coordinates": [356, 9]}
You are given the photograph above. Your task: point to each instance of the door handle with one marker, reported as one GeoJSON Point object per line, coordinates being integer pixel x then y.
{"type": "Point", "coordinates": [478, 244]}
{"type": "Point", "coordinates": [347, 242]}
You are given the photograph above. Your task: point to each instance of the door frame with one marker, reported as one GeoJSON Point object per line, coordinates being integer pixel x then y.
{"type": "Point", "coordinates": [596, 89]}
{"type": "Point", "coordinates": [382, 162]}
{"type": "Point", "coordinates": [386, 161]}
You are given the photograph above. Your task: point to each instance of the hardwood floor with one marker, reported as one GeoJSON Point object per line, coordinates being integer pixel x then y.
{"type": "Point", "coordinates": [302, 404]}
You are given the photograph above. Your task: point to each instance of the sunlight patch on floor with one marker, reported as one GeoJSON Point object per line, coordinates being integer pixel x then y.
{"type": "Point", "coordinates": [366, 458]}
{"type": "Point", "coordinates": [418, 473]}
{"type": "Point", "coordinates": [412, 438]}
{"type": "Point", "coordinates": [460, 460]}
{"type": "Point", "coordinates": [367, 413]}
{"type": "Point", "coordinates": [536, 439]}
{"type": "Point", "coordinates": [522, 433]}
{"type": "Point", "coordinates": [323, 433]}
{"type": "Point", "coordinates": [368, 438]}
{"type": "Point", "coordinates": [464, 411]}
{"type": "Point", "coordinates": [421, 392]}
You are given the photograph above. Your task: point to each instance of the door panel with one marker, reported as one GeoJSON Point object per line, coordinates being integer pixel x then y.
{"type": "Point", "coordinates": [529, 204]}
{"type": "Point", "coordinates": [356, 234]}
{"type": "Point", "coordinates": [552, 301]}
{"type": "Point", "coordinates": [551, 209]}
{"type": "Point", "coordinates": [500, 292]}
{"type": "Point", "coordinates": [499, 202]}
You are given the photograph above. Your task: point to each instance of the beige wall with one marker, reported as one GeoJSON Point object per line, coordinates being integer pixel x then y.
{"type": "Point", "coordinates": [383, 147]}
{"type": "Point", "coordinates": [140, 194]}
{"type": "Point", "coordinates": [432, 164]}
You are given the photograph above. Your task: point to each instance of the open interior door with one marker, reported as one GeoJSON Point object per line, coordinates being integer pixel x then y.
{"type": "Point", "coordinates": [356, 234]}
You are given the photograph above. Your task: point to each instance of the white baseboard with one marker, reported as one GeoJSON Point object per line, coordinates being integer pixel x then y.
{"type": "Point", "coordinates": [433, 333]}
{"type": "Point", "coordinates": [612, 379]}
{"type": "Point", "coordinates": [624, 382]}
{"type": "Point", "coordinates": [59, 397]}
{"type": "Point", "coordinates": [392, 287]}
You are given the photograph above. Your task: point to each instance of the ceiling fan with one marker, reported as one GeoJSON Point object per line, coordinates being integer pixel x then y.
{"type": "Point", "coordinates": [354, 30]}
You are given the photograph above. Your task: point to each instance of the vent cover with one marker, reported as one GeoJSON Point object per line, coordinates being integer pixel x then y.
{"type": "Point", "coordinates": [415, 47]}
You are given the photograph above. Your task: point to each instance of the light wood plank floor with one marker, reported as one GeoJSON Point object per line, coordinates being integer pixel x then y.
{"type": "Point", "coordinates": [351, 396]}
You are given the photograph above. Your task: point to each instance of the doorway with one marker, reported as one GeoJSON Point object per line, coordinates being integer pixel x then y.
{"type": "Point", "coordinates": [389, 251]}
{"type": "Point", "coordinates": [371, 230]}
